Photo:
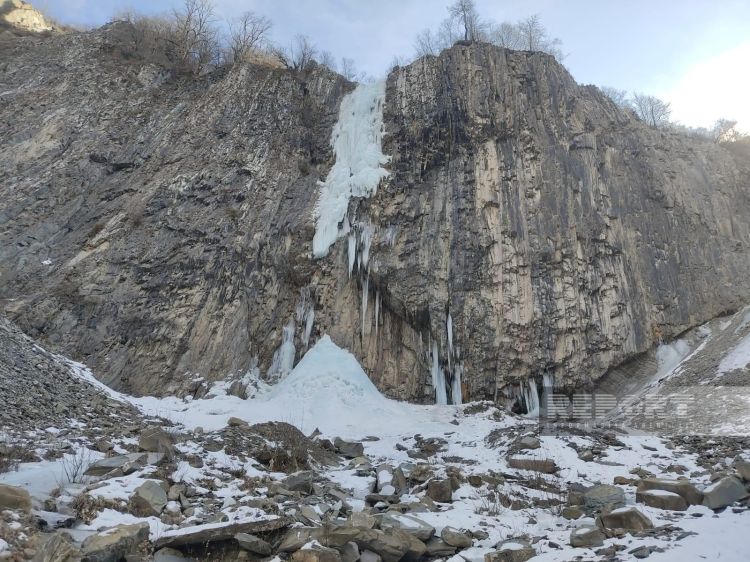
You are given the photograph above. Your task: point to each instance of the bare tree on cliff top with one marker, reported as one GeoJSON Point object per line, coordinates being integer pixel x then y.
{"type": "Point", "coordinates": [652, 110]}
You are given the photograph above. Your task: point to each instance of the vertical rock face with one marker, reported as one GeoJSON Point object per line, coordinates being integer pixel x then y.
{"type": "Point", "coordinates": [561, 234]}
{"type": "Point", "coordinates": [160, 228]}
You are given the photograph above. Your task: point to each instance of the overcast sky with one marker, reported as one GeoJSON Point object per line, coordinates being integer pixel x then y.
{"type": "Point", "coordinates": [694, 53]}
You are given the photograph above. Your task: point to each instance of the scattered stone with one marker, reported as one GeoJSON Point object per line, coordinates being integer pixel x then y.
{"type": "Point", "coordinates": [440, 490]}
{"type": "Point", "coordinates": [156, 440]}
{"type": "Point", "coordinates": [203, 534]}
{"type": "Point", "coordinates": [438, 548]}
{"type": "Point", "coordinates": [627, 518]}
{"type": "Point", "coordinates": [253, 544]}
{"type": "Point", "coordinates": [237, 422]}
{"type": "Point", "coordinates": [349, 449]}
{"type": "Point", "coordinates": [512, 550]}
{"type": "Point", "coordinates": [113, 544]}
{"type": "Point", "coordinates": [545, 466]}
{"type": "Point", "coordinates": [528, 442]}
{"type": "Point", "coordinates": [625, 481]}
{"type": "Point", "coordinates": [743, 469]}
{"type": "Point", "coordinates": [362, 520]}
{"type": "Point", "coordinates": [12, 497]}
{"type": "Point", "coordinates": [586, 536]}
{"type": "Point", "coordinates": [602, 498]}
{"type": "Point", "coordinates": [407, 523]}
{"type": "Point", "coordinates": [683, 488]}
{"type": "Point", "coordinates": [148, 499]}
{"type": "Point", "coordinates": [296, 538]}
{"type": "Point", "coordinates": [300, 482]}
{"type": "Point", "coordinates": [572, 512]}
{"type": "Point", "coordinates": [454, 537]}
{"type": "Point", "coordinates": [724, 492]}
{"type": "Point", "coordinates": [349, 552]}
{"type": "Point", "coordinates": [661, 499]}
{"type": "Point", "coordinates": [391, 545]}
{"type": "Point", "coordinates": [58, 548]}
{"type": "Point", "coordinates": [127, 464]}
{"type": "Point", "coordinates": [316, 553]}
{"type": "Point", "coordinates": [586, 455]}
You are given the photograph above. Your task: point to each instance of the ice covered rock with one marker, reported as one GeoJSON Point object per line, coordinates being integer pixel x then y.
{"type": "Point", "coordinates": [511, 550]}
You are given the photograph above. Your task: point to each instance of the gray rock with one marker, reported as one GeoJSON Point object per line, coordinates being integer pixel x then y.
{"type": "Point", "coordinates": [455, 537]}
{"type": "Point", "coordinates": [115, 543]}
{"type": "Point", "coordinates": [603, 497]}
{"type": "Point", "coordinates": [661, 499]}
{"type": "Point", "coordinates": [683, 488]}
{"type": "Point", "coordinates": [148, 499]}
{"type": "Point", "coordinates": [545, 466]}
{"type": "Point", "coordinates": [724, 493]}
{"type": "Point", "coordinates": [13, 497]}
{"type": "Point", "coordinates": [170, 555]}
{"type": "Point", "coordinates": [316, 553]}
{"type": "Point", "coordinates": [349, 449]}
{"type": "Point", "coordinates": [528, 442]}
{"type": "Point", "coordinates": [586, 536]}
{"type": "Point", "coordinates": [438, 548]}
{"type": "Point", "coordinates": [127, 464]}
{"type": "Point", "coordinates": [440, 490]}
{"type": "Point", "coordinates": [511, 550]}
{"type": "Point", "coordinates": [300, 482]}
{"type": "Point", "coordinates": [743, 470]}
{"type": "Point", "coordinates": [296, 538]}
{"type": "Point", "coordinates": [369, 556]}
{"type": "Point", "coordinates": [407, 523]}
{"type": "Point", "coordinates": [349, 552]}
{"type": "Point", "coordinates": [253, 544]}
{"type": "Point", "coordinates": [58, 548]}
{"type": "Point", "coordinates": [628, 518]}
{"type": "Point", "coordinates": [156, 440]}
{"type": "Point", "coordinates": [391, 545]}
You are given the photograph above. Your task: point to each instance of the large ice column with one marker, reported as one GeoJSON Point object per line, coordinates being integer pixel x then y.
{"type": "Point", "coordinates": [438, 377]}
{"type": "Point", "coordinates": [357, 143]}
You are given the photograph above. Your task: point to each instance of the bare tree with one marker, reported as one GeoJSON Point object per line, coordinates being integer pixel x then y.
{"type": "Point", "coordinates": [619, 97]}
{"type": "Point", "coordinates": [505, 35]}
{"type": "Point", "coordinates": [725, 130]}
{"type": "Point", "coordinates": [326, 59]}
{"type": "Point", "coordinates": [464, 12]}
{"type": "Point", "coordinates": [247, 33]}
{"type": "Point", "coordinates": [349, 70]}
{"type": "Point", "coordinates": [194, 37]}
{"type": "Point", "coordinates": [426, 43]}
{"type": "Point", "coordinates": [397, 61]}
{"type": "Point", "coordinates": [300, 54]}
{"type": "Point", "coordinates": [652, 110]}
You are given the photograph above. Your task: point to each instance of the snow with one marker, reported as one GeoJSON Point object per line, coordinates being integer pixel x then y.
{"type": "Point", "coordinates": [357, 143]}
{"type": "Point", "coordinates": [737, 358]}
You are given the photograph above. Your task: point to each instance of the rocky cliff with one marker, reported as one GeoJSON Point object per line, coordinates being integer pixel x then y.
{"type": "Point", "coordinates": [160, 228]}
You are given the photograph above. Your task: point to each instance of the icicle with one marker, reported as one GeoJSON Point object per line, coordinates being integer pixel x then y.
{"type": "Point", "coordinates": [309, 320]}
{"type": "Point", "coordinates": [366, 236]}
{"type": "Point", "coordinates": [283, 358]}
{"type": "Point", "coordinates": [456, 391]}
{"type": "Point", "coordinates": [352, 251]}
{"type": "Point", "coordinates": [438, 377]}
{"type": "Point", "coordinates": [449, 328]}
{"type": "Point", "coordinates": [531, 398]}
{"type": "Point", "coordinates": [377, 313]}
{"type": "Point", "coordinates": [365, 291]}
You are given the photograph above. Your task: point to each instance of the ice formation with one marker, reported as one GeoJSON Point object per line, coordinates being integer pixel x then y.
{"type": "Point", "coordinates": [358, 169]}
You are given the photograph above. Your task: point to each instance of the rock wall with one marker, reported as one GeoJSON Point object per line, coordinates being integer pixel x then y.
{"type": "Point", "coordinates": [159, 228]}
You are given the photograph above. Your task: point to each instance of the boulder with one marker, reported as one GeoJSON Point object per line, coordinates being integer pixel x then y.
{"type": "Point", "coordinates": [440, 490]}
{"type": "Point", "coordinates": [148, 499]}
{"type": "Point", "coordinates": [512, 550]}
{"type": "Point", "coordinates": [586, 536]}
{"type": "Point", "coordinates": [683, 488]}
{"type": "Point", "coordinates": [456, 538]}
{"type": "Point", "coordinates": [127, 464]}
{"type": "Point", "coordinates": [743, 470]}
{"type": "Point", "coordinates": [296, 538]}
{"type": "Point", "coordinates": [602, 498]}
{"type": "Point", "coordinates": [349, 552]}
{"type": "Point", "coordinates": [724, 492]}
{"type": "Point", "coordinates": [627, 518]}
{"type": "Point", "coordinates": [204, 534]}
{"type": "Point", "coordinates": [169, 555]}
{"type": "Point", "coordinates": [112, 545]}
{"type": "Point", "coordinates": [572, 512]}
{"type": "Point", "coordinates": [391, 545]}
{"type": "Point", "coordinates": [407, 523]}
{"type": "Point", "coordinates": [156, 440]}
{"type": "Point", "coordinates": [316, 553]}
{"type": "Point", "coordinates": [12, 497]}
{"type": "Point", "coordinates": [348, 449]}
{"type": "Point", "coordinates": [300, 482]}
{"type": "Point", "coordinates": [369, 556]}
{"type": "Point", "coordinates": [545, 466]}
{"type": "Point", "coordinates": [58, 548]}
{"type": "Point", "coordinates": [528, 442]}
{"type": "Point", "coordinates": [253, 544]}
{"type": "Point", "coordinates": [362, 520]}
{"type": "Point", "coordinates": [335, 536]}
{"type": "Point", "coordinates": [438, 548]}
{"type": "Point", "coordinates": [661, 499]}
{"type": "Point", "coordinates": [236, 422]}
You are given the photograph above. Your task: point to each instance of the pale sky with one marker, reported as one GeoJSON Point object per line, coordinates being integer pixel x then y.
{"type": "Point", "coordinates": [693, 53]}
